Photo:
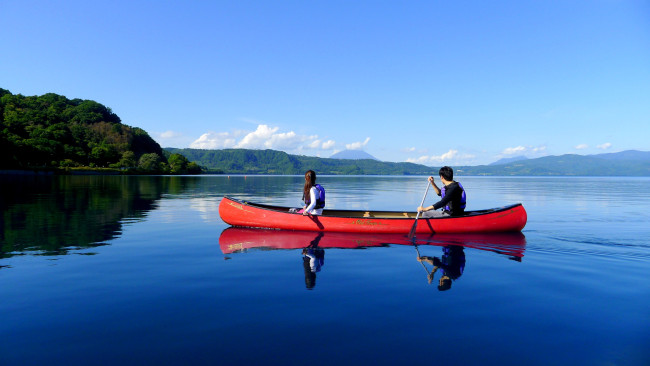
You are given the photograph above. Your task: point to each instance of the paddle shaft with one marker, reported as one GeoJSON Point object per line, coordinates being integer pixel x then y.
{"type": "Point", "coordinates": [425, 267]}
{"type": "Point", "coordinates": [412, 232]}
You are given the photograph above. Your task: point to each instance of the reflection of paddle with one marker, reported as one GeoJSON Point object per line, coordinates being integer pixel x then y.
{"type": "Point", "coordinates": [429, 274]}
{"type": "Point", "coordinates": [423, 266]}
{"type": "Point", "coordinates": [415, 224]}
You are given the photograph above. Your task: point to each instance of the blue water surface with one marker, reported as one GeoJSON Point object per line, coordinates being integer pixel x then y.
{"type": "Point", "coordinates": [141, 270]}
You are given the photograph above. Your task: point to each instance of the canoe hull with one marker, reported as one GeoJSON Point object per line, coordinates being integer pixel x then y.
{"type": "Point", "coordinates": [245, 214]}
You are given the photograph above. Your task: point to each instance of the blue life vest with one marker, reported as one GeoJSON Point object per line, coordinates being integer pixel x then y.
{"type": "Point", "coordinates": [320, 200]}
{"type": "Point", "coordinates": [453, 261]}
{"type": "Point", "coordinates": [463, 198]}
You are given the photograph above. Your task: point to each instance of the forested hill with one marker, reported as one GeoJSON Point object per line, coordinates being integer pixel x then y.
{"type": "Point", "coordinates": [244, 161]}
{"type": "Point", "coordinates": [625, 163]}
{"type": "Point", "coordinates": [53, 132]}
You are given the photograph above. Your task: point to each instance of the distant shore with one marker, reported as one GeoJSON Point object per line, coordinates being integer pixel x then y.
{"type": "Point", "coordinates": [75, 171]}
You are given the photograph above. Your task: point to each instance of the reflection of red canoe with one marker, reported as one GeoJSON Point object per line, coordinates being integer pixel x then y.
{"type": "Point", "coordinates": [242, 213]}
{"type": "Point", "coordinates": [240, 239]}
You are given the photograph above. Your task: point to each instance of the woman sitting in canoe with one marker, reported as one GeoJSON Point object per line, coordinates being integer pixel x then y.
{"type": "Point", "coordinates": [313, 195]}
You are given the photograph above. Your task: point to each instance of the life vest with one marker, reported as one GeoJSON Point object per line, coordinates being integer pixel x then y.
{"type": "Point", "coordinates": [320, 200]}
{"type": "Point", "coordinates": [453, 261]}
{"type": "Point", "coordinates": [463, 197]}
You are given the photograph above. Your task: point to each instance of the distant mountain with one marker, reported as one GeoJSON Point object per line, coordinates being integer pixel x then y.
{"type": "Point", "coordinates": [616, 164]}
{"type": "Point", "coordinates": [508, 160]}
{"type": "Point", "coordinates": [244, 161]}
{"type": "Point", "coordinates": [632, 155]}
{"type": "Point", "coordinates": [353, 155]}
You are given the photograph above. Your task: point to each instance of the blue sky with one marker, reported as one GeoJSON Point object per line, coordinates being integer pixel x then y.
{"type": "Point", "coordinates": [433, 82]}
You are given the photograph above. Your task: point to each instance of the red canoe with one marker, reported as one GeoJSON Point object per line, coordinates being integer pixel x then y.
{"type": "Point", "coordinates": [234, 239]}
{"type": "Point", "coordinates": [247, 214]}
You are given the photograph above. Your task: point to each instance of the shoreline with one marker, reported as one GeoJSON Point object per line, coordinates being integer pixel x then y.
{"type": "Point", "coordinates": [108, 171]}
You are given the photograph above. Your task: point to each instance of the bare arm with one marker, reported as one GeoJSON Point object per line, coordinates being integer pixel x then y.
{"type": "Point", "coordinates": [438, 192]}
{"type": "Point", "coordinates": [424, 258]}
{"type": "Point", "coordinates": [435, 187]}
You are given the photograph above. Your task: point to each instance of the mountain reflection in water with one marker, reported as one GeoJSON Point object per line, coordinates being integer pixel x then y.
{"type": "Point", "coordinates": [51, 215]}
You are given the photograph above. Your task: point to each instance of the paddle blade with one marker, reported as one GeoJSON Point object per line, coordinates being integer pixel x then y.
{"type": "Point", "coordinates": [412, 232]}
{"type": "Point", "coordinates": [414, 227]}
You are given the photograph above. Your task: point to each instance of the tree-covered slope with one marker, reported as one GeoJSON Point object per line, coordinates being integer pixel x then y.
{"type": "Point", "coordinates": [244, 161]}
{"type": "Point", "coordinates": [52, 131]}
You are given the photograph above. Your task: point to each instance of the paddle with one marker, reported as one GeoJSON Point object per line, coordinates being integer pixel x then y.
{"type": "Point", "coordinates": [429, 274]}
{"type": "Point", "coordinates": [425, 267]}
{"type": "Point", "coordinates": [415, 224]}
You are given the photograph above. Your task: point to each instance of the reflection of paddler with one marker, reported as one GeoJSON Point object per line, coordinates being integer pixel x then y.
{"type": "Point", "coordinates": [313, 259]}
{"type": "Point", "coordinates": [452, 264]}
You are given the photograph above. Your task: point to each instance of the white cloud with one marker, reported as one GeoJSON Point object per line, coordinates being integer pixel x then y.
{"type": "Point", "coordinates": [170, 135]}
{"type": "Point", "coordinates": [446, 156]}
{"type": "Point", "coordinates": [319, 144]}
{"type": "Point", "coordinates": [171, 139]}
{"type": "Point", "coordinates": [581, 146]}
{"type": "Point", "coordinates": [283, 141]}
{"type": "Point", "coordinates": [327, 145]}
{"type": "Point", "coordinates": [214, 140]}
{"type": "Point", "coordinates": [520, 150]}
{"type": "Point", "coordinates": [264, 137]}
{"type": "Point", "coordinates": [257, 138]}
{"type": "Point", "coordinates": [514, 150]}
{"type": "Point", "coordinates": [604, 146]}
{"type": "Point", "coordinates": [357, 145]}
{"type": "Point", "coordinates": [451, 156]}
{"type": "Point", "coordinates": [314, 144]}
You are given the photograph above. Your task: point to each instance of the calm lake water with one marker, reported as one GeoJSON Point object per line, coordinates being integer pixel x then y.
{"type": "Point", "coordinates": [98, 270]}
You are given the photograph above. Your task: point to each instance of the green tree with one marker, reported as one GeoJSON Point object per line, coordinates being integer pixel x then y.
{"type": "Point", "coordinates": [53, 131]}
{"type": "Point", "coordinates": [193, 168]}
{"type": "Point", "coordinates": [128, 160]}
{"type": "Point", "coordinates": [103, 155]}
{"type": "Point", "coordinates": [177, 164]}
{"type": "Point", "coordinates": [149, 162]}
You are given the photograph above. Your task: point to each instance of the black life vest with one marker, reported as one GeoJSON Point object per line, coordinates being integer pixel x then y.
{"type": "Point", "coordinates": [463, 198]}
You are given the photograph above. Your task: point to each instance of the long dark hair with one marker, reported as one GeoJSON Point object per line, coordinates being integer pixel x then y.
{"type": "Point", "coordinates": [310, 181]}
{"type": "Point", "coordinates": [310, 277]}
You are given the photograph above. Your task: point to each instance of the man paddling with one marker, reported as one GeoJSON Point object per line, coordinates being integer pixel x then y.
{"type": "Point", "coordinates": [453, 199]}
